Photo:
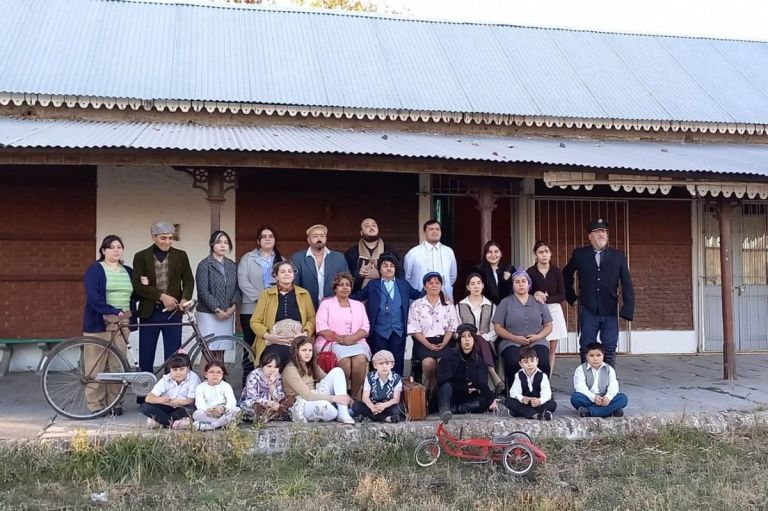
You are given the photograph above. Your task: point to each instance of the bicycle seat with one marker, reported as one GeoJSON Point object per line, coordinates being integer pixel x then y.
{"type": "Point", "coordinates": [505, 439]}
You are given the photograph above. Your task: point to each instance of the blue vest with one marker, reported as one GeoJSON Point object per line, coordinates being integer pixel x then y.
{"type": "Point", "coordinates": [379, 392]}
{"type": "Point", "coordinates": [390, 316]}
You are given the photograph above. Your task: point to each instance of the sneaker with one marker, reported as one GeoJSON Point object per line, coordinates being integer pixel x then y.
{"type": "Point", "coordinates": [181, 423]}
{"type": "Point", "coordinates": [153, 424]}
{"type": "Point", "coordinates": [203, 426]}
{"type": "Point", "coordinates": [618, 413]}
{"type": "Point", "coordinates": [116, 411]}
{"type": "Point", "coordinates": [345, 419]}
{"type": "Point", "coordinates": [446, 416]}
{"type": "Point", "coordinates": [547, 415]}
{"type": "Point", "coordinates": [537, 416]}
{"type": "Point", "coordinates": [583, 412]}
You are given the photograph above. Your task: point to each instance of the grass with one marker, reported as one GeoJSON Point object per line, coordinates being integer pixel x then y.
{"type": "Point", "coordinates": [677, 468]}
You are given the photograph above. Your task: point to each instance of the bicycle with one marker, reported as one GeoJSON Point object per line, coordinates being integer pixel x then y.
{"type": "Point", "coordinates": [64, 378]}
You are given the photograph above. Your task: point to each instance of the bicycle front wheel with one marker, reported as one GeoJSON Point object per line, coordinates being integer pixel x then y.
{"type": "Point", "coordinates": [69, 378]}
{"type": "Point", "coordinates": [236, 354]}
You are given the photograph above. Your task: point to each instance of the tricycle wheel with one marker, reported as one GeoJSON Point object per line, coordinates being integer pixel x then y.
{"type": "Point", "coordinates": [520, 434]}
{"type": "Point", "coordinates": [518, 459]}
{"type": "Point", "coordinates": [428, 452]}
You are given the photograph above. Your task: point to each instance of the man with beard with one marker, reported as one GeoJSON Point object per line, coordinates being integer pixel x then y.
{"type": "Point", "coordinates": [362, 258]}
{"type": "Point", "coordinates": [601, 269]}
{"type": "Point", "coordinates": [317, 267]}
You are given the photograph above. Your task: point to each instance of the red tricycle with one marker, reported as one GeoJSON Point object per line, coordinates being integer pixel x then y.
{"type": "Point", "coordinates": [516, 450]}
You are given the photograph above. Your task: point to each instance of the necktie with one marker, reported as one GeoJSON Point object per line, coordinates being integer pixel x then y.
{"type": "Point", "coordinates": [598, 257]}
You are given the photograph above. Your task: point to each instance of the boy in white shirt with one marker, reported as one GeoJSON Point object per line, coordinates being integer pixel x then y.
{"type": "Point", "coordinates": [596, 389]}
{"type": "Point", "coordinates": [531, 395]}
{"type": "Point", "coordinates": [171, 401]}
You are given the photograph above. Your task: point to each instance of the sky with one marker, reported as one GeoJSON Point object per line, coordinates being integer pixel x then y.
{"type": "Point", "coordinates": [731, 19]}
{"type": "Point", "coordinates": [725, 19]}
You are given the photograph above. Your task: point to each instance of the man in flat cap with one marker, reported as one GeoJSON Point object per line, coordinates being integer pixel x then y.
{"type": "Point", "coordinates": [163, 280]}
{"type": "Point", "coordinates": [601, 269]}
{"type": "Point", "coordinates": [317, 267]}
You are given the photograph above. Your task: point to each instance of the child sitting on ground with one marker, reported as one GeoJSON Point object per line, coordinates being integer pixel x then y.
{"type": "Point", "coordinates": [531, 394]}
{"type": "Point", "coordinates": [596, 389]}
{"type": "Point", "coordinates": [214, 399]}
{"type": "Point", "coordinates": [381, 391]}
{"type": "Point", "coordinates": [170, 403]}
{"type": "Point", "coordinates": [263, 397]}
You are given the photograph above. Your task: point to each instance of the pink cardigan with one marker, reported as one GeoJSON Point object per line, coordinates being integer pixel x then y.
{"type": "Point", "coordinates": [331, 316]}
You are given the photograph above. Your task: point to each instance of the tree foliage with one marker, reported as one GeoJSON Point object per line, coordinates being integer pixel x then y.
{"type": "Point", "coordinates": [346, 5]}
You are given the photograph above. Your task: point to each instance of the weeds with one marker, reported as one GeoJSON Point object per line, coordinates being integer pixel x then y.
{"type": "Point", "coordinates": [678, 468]}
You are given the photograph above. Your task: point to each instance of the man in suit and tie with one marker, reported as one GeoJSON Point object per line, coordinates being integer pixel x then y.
{"type": "Point", "coordinates": [389, 298]}
{"type": "Point", "coordinates": [163, 280]}
{"type": "Point", "coordinates": [601, 269]}
{"type": "Point", "coordinates": [318, 266]}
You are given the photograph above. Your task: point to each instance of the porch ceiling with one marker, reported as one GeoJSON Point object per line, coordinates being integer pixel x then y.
{"type": "Point", "coordinates": [17, 134]}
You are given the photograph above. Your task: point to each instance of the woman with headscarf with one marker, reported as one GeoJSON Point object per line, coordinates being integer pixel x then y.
{"type": "Point", "coordinates": [522, 321]}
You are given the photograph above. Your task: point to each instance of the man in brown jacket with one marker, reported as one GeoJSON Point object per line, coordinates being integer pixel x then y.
{"type": "Point", "coordinates": [163, 280]}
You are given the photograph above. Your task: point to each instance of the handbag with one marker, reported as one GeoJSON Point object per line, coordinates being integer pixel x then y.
{"type": "Point", "coordinates": [327, 359]}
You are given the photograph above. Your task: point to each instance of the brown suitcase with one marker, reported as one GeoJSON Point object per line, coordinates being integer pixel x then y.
{"type": "Point", "coordinates": [415, 399]}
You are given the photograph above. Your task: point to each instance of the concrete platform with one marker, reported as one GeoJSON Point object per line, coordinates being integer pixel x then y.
{"type": "Point", "coordinates": [662, 389]}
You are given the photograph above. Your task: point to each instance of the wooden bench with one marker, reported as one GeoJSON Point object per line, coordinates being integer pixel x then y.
{"type": "Point", "coordinates": [7, 345]}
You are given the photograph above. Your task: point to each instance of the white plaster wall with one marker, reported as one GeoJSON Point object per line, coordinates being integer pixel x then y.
{"type": "Point", "coordinates": [130, 199]}
{"type": "Point", "coordinates": [663, 341]}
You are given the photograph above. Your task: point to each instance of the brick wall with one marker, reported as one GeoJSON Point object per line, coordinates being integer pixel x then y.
{"type": "Point", "coordinates": [660, 257]}
{"type": "Point", "coordinates": [292, 200]}
{"type": "Point", "coordinates": [46, 242]}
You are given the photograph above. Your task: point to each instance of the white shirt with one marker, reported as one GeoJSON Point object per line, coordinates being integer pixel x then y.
{"type": "Point", "coordinates": [320, 272]}
{"type": "Point", "coordinates": [580, 382]}
{"type": "Point", "coordinates": [516, 392]}
{"type": "Point", "coordinates": [167, 387]}
{"type": "Point", "coordinates": [424, 258]}
{"type": "Point", "coordinates": [207, 396]}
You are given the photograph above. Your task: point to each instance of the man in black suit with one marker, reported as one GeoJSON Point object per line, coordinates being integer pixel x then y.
{"type": "Point", "coordinates": [600, 270]}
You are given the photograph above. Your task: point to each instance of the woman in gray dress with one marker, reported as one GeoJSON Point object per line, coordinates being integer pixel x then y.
{"type": "Point", "coordinates": [520, 321]}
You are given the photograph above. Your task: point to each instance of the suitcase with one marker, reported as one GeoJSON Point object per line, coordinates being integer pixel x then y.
{"type": "Point", "coordinates": [415, 399]}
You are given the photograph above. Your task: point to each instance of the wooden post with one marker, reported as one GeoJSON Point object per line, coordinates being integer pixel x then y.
{"type": "Point", "coordinates": [486, 203]}
{"type": "Point", "coordinates": [725, 220]}
{"type": "Point", "coordinates": [215, 182]}
{"type": "Point", "coordinates": [215, 196]}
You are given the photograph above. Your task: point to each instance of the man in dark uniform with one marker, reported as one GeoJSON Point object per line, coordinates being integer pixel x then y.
{"type": "Point", "coordinates": [600, 270]}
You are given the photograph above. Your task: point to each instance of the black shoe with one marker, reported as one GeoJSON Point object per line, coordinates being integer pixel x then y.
{"type": "Point", "coordinates": [116, 411]}
{"type": "Point", "coordinates": [547, 415]}
{"type": "Point", "coordinates": [583, 412]}
{"type": "Point", "coordinates": [446, 416]}
{"type": "Point", "coordinates": [500, 389]}
{"type": "Point", "coordinates": [537, 416]}
{"type": "Point", "coordinates": [618, 413]}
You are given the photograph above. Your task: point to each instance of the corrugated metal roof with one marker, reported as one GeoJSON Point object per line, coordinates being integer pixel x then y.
{"type": "Point", "coordinates": [124, 49]}
{"type": "Point", "coordinates": [18, 133]}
